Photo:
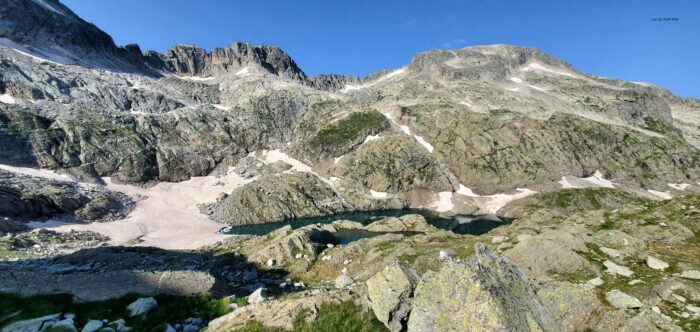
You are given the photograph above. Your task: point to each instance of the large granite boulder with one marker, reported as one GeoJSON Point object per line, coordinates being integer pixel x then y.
{"type": "Point", "coordinates": [485, 293]}
{"type": "Point", "coordinates": [391, 294]}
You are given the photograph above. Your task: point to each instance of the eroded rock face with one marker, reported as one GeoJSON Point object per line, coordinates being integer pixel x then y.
{"type": "Point", "coordinates": [395, 163]}
{"type": "Point", "coordinates": [486, 293]}
{"type": "Point", "coordinates": [391, 293]}
{"type": "Point", "coordinates": [33, 197]}
{"type": "Point", "coordinates": [407, 223]}
{"type": "Point", "coordinates": [194, 61]}
{"type": "Point", "coordinates": [309, 240]}
{"type": "Point", "coordinates": [276, 198]}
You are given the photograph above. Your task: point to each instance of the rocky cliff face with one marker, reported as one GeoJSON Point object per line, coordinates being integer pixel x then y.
{"type": "Point", "coordinates": [191, 60]}
{"type": "Point", "coordinates": [50, 30]}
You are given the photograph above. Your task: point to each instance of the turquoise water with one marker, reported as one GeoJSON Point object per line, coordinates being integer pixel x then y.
{"type": "Point", "coordinates": [460, 224]}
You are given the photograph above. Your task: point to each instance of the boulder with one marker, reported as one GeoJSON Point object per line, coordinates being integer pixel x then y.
{"type": "Point", "coordinates": [391, 294]}
{"type": "Point", "coordinates": [487, 292]}
{"type": "Point", "coordinates": [30, 325]}
{"type": "Point", "coordinates": [92, 326]}
{"type": "Point", "coordinates": [551, 252]}
{"type": "Point", "coordinates": [618, 269]}
{"type": "Point", "coordinates": [571, 304]}
{"type": "Point", "coordinates": [66, 325]}
{"type": "Point", "coordinates": [691, 274]}
{"type": "Point", "coordinates": [142, 306]}
{"type": "Point", "coordinates": [259, 295]}
{"type": "Point", "coordinates": [310, 239]}
{"type": "Point", "coordinates": [621, 300]}
{"type": "Point", "coordinates": [656, 263]}
{"type": "Point", "coordinates": [343, 281]}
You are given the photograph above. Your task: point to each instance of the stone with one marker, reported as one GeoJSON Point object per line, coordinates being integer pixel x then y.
{"type": "Point", "coordinates": [487, 291]}
{"type": "Point", "coordinates": [634, 282]}
{"type": "Point", "coordinates": [270, 262]}
{"type": "Point", "coordinates": [656, 263]}
{"type": "Point", "coordinates": [573, 305]}
{"type": "Point", "coordinates": [30, 325]}
{"type": "Point", "coordinates": [444, 255]}
{"type": "Point", "coordinates": [618, 269]}
{"type": "Point", "coordinates": [92, 326]}
{"type": "Point", "coordinates": [169, 328]}
{"type": "Point", "coordinates": [66, 325]}
{"type": "Point", "coordinates": [498, 239]}
{"type": "Point", "coordinates": [691, 274]}
{"type": "Point", "coordinates": [621, 300]}
{"type": "Point", "coordinates": [679, 298]}
{"type": "Point", "coordinates": [251, 274]}
{"type": "Point", "coordinates": [391, 294]}
{"type": "Point", "coordinates": [142, 306]}
{"type": "Point", "coordinates": [597, 281]}
{"type": "Point", "coordinates": [610, 252]}
{"type": "Point", "coordinates": [343, 281]}
{"type": "Point", "coordinates": [258, 296]}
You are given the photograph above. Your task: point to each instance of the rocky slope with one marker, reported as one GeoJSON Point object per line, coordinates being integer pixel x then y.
{"type": "Point", "coordinates": [598, 178]}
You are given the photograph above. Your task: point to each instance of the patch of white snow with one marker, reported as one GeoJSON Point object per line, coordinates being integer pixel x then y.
{"type": "Point", "coordinates": [378, 194]}
{"type": "Point", "coordinates": [662, 194]}
{"type": "Point", "coordinates": [444, 202]}
{"type": "Point", "coordinates": [7, 99]}
{"type": "Point", "coordinates": [679, 186]}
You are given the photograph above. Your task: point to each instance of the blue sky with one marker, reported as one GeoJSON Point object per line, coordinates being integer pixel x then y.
{"type": "Point", "coordinates": [607, 38]}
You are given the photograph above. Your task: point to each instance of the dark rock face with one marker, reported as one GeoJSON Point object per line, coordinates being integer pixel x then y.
{"type": "Point", "coordinates": [32, 197]}
{"type": "Point", "coordinates": [331, 82]}
{"type": "Point", "coordinates": [195, 61]}
{"type": "Point", "coordinates": [48, 28]}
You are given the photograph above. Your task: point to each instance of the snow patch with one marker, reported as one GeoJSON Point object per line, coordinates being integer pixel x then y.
{"type": "Point", "coordinates": [7, 99]}
{"type": "Point", "coordinates": [195, 78]}
{"type": "Point", "coordinates": [597, 178]}
{"type": "Point", "coordinates": [351, 87]}
{"type": "Point", "coordinates": [498, 201]}
{"type": "Point", "coordinates": [36, 55]}
{"type": "Point", "coordinates": [378, 194]}
{"type": "Point", "coordinates": [424, 143]}
{"type": "Point", "coordinates": [535, 66]}
{"type": "Point", "coordinates": [221, 107]}
{"type": "Point", "coordinates": [49, 7]}
{"type": "Point", "coordinates": [662, 194]}
{"type": "Point", "coordinates": [372, 138]}
{"type": "Point", "coordinates": [466, 191]}
{"type": "Point", "coordinates": [243, 72]}
{"type": "Point", "coordinates": [337, 160]}
{"type": "Point", "coordinates": [565, 184]}
{"type": "Point", "coordinates": [38, 172]}
{"type": "Point", "coordinates": [444, 202]}
{"type": "Point", "coordinates": [407, 131]}
{"type": "Point", "coordinates": [679, 186]}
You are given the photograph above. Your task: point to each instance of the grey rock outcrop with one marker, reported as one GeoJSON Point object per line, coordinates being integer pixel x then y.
{"type": "Point", "coordinates": [33, 197]}
{"type": "Point", "coordinates": [487, 292]}
{"type": "Point", "coordinates": [49, 29]}
{"type": "Point", "coordinates": [391, 294]}
{"type": "Point", "coordinates": [276, 198]}
{"type": "Point", "coordinates": [191, 60]}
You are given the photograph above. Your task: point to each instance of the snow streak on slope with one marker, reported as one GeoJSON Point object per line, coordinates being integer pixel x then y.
{"type": "Point", "coordinates": [351, 87]}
